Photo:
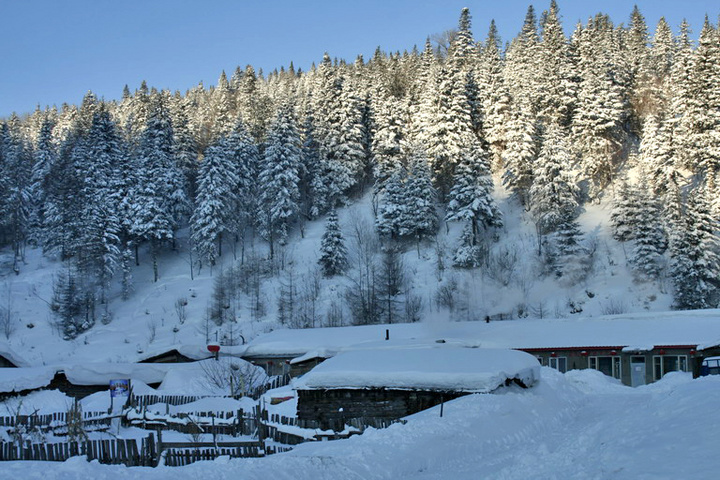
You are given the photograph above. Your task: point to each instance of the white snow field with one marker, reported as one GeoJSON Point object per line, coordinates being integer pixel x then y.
{"type": "Point", "coordinates": [579, 425]}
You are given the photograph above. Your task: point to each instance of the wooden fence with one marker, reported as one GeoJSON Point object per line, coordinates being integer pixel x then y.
{"type": "Point", "coordinates": [139, 401]}
{"type": "Point", "coordinates": [116, 452]}
{"type": "Point", "coordinates": [57, 418]}
{"type": "Point", "coordinates": [177, 454]}
{"type": "Point", "coordinates": [128, 452]}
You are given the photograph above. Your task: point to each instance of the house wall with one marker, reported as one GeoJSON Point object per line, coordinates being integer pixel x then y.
{"type": "Point", "coordinates": [580, 358]}
{"type": "Point", "coordinates": [297, 369]}
{"type": "Point", "coordinates": [273, 366]}
{"type": "Point", "coordinates": [331, 409]}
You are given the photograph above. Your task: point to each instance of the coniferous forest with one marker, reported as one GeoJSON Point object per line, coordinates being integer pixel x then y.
{"type": "Point", "coordinates": [627, 114]}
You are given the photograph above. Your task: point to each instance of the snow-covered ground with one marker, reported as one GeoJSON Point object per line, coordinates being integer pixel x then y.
{"type": "Point", "coordinates": [580, 425]}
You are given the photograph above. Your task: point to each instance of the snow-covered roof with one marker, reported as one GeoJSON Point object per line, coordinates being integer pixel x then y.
{"type": "Point", "coordinates": [102, 373]}
{"type": "Point", "coordinates": [701, 328]}
{"type": "Point", "coordinates": [441, 368]}
{"type": "Point", "coordinates": [193, 352]}
{"type": "Point", "coordinates": [10, 354]}
{"type": "Point", "coordinates": [19, 379]}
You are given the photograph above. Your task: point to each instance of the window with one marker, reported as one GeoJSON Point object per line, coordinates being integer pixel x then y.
{"type": "Point", "coordinates": [669, 363]}
{"type": "Point", "coordinates": [610, 366]}
{"type": "Point", "coordinates": [558, 363]}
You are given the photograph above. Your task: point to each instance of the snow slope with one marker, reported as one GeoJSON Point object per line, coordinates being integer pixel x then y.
{"type": "Point", "coordinates": [148, 323]}
{"type": "Point", "coordinates": [581, 425]}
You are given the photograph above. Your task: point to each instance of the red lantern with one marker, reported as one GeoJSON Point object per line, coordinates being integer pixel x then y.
{"type": "Point", "coordinates": [692, 352]}
{"type": "Point", "coordinates": [662, 351]}
{"type": "Point", "coordinates": [214, 348]}
{"type": "Point", "coordinates": [613, 352]}
{"type": "Point", "coordinates": [584, 353]}
{"type": "Point", "coordinates": [553, 354]}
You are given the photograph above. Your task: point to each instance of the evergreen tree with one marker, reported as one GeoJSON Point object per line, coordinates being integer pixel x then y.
{"type": "Point", "coordinates": [624, 215]}
{"type": "Point", "coordinates": [421, 218]}
{"type": "Point", "coordinates": [650, 238]}
{"type": "Point", "coordinates": [44, 156]}
{"type": "Point", "coordinates": [15, 187]}
{"type": "Point", "coordinates": [279, 177]}
{"type": "Point", "coordinates": [245, 156]}
{"type": "Point", "coordinates": [64, 200]}
{"type": "Point", "coordinates": [393, 205]}
{"type": "Point", "coordinates": [333, 254]}
{"type": "Point", "coordinates": [216, 201]}
{"type": "Point", "coordinates": [601, 103]}
{"type": "Point", "coordinates": [700, 122]}
{"type": "Point", "coordinates": [157, 199]}
{"type": "Point", "coordinates": [520, 152]}
{"type": "Point", "coordinates": [470, 199]}
{"type": "Point", "coordinates": [569, 254]}
{"type": "Point", "coordinates": [553, 195]}
{"type": "Point", "coordinates": [694, 256]}
{"type": "Point", "coordinates": [556, 88]}
{"type": "Point", "coordinates": [98, 251]}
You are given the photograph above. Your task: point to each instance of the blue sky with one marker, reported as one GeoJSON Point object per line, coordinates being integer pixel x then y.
{"type": "Point", "coordinates": [55, 51]}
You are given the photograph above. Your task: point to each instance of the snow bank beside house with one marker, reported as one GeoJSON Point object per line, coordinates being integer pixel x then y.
{"type": "Point", "coordinates": [438, 369]}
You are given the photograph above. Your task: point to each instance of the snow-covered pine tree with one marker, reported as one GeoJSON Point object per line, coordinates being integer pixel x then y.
{"type": "Point", "coordinates": [15, 187]}
{"type": "Point", "coordinates": [520, 152]}
{"type": "Point", "coordinates": [597, 125]}
{"type": "Point", "coordinates": [657, 154]}
{"type": "Point", "coordinates": [421, 219]}
{"type": "Point", "coordinates": [625, 210]}
{"type": "Point", "coordinates": [44, 156]}
{"type": "Point", "coordinates": [470, 199]}
{"type": "Point", "coordinates": [455, 129]}
{"type": "Point", "coordinates": [186, 148]}
{"type": "Point", "coordinates": [569, 254]}
{"type": "Point", "coordinates": [98, 251]}
{"type": "Point", "coordinates": [333, 254]}
{"type": "Point", "coordinates": [553, 195]}
{"type": "Point", "coordinates": [700, 122]}
{"type": "Point", "coordinates": [694, 261]}
{"type": "Point", "coordinates": [333, 177]}
{"type": "Point", "coordinates": [244, 153]}
{"type": "Point", "coordinates": [157, 199]}
{"type": "Point", "coordinates": [496, 100]}
{"type": "Point", "coordinates": [556, 88]}
{"type": "Point", "coordinates": [650, 239]}
{"type": "Point", "coordinates": [216, 203]}
{"type": "Point", "coordinates": [387, 142]}
{"type": "Point", "coordinates": [279, 178]}
{"type": "Point", "coordinates": [393, 205]}
{"type": "Point", "coordinates": [63, 200]}
{"type": "Point", "coordinates": [521, 59]}
{"type": "Point", "coordinates": [353, 133]}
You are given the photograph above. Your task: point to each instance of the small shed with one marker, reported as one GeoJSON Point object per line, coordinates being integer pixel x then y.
{"type": "Point", "coordinates": [364, 386]}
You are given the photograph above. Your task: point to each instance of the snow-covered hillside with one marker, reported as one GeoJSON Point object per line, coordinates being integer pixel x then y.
{"type": "Point", "coordinates": [579, 425]}
{"type": "Point", "coordinates": [148, 322]}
